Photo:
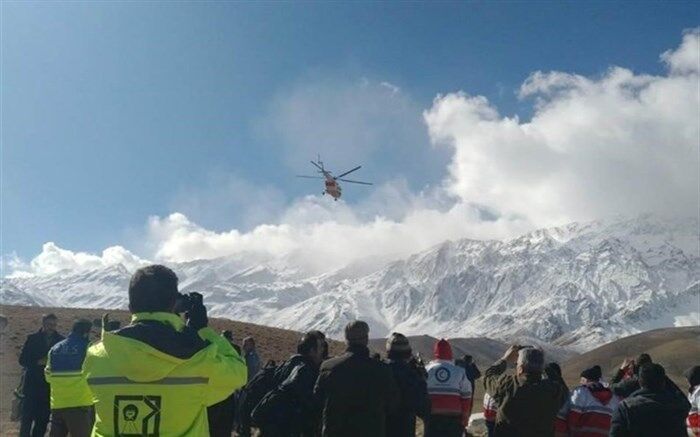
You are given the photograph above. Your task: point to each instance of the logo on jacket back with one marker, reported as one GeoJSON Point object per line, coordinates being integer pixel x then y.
{"type": "Point", "coordinates": [442, 374]}
{"type": "Point", "coordinates": [137, 416]}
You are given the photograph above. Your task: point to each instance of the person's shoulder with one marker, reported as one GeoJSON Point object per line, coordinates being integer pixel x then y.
{"type": "Point", "coordinates": [333, 362]}
{"type": "Point", "coordinates": [180, 344]}
{"type": "Point", "coordinates": [33, 336]}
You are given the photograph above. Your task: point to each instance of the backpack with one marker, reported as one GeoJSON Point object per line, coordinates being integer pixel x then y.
{"type": "Point", "coordinates": [253, 392]}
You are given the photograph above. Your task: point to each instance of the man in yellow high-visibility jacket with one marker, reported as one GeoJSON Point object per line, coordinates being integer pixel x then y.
{"type": "Point", "coordinates": [157, 376]}
{"type": "Point", "coordinates": [71, 400]}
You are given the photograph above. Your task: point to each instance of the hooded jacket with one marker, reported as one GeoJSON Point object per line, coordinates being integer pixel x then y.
{"type": "Point", "coordinates": [588, 412]}
{"type": "Point", "coordinates": [449, 389]}
{"type": "Point", "coordinates": [156, 377]}
{"type": "Point", "coordinates": [648, 413]}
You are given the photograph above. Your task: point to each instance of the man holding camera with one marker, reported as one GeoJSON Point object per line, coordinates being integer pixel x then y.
{"type": "Point", "coordinates": [158, 375]}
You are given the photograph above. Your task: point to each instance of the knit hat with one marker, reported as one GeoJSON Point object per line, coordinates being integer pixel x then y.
{"type": "Point", "coordinates": [357, 332]}
{"type": "Point", "coordinates": [592, 373]}
{"type": "Point", "coordinates": [442, 350]}
{"type": "Point", "coordinates": [397, 343]}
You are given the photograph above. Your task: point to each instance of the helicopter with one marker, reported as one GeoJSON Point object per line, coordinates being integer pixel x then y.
{"type": "Point", "coordinates": [332, 187]}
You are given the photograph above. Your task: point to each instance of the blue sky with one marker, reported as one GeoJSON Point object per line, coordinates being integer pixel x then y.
{"type": "Point", "coordinates": [116, 111]}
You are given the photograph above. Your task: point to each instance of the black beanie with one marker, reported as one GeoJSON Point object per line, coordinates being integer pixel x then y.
{"type": "Point", "coordinates": [592, 373]}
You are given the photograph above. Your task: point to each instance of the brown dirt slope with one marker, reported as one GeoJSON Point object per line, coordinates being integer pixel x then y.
{"type": "Point", "coordinates": [675, 348]}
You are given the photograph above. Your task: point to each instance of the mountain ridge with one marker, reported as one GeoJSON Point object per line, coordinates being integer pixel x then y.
{"type": "Point", "coordinates": [577, 286]}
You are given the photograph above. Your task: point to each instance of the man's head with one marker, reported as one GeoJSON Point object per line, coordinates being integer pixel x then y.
{"type": "Point", "coordinates": [228, 335]}
{"type": "Point", "coordinates": [643, 359]}
{"type": "Point", "coordinates": [324, 343]}
{"type": "Point", "coordinates": [652, 377]}
{"type": "Point", "coordinates": [153, 289]}
{"type": "Point", "coordinates": [48, 323]}
{"type": "Point", "coordinates": [357, 333]}
{"type": "Point", "coordinates": [397, 347]}
{"type": "Point", "coordinates": [81, 328]}
{"type": "Point", "coordinates": [248, 344]}
{"type": "Point", "coordinates": [553, 371]}
{"type": "Point", "coordinates": [592, 374]}
{"type": "Point", "coordinates": [530, 362]}
{"type": "Point", "coordinates": [693, 376]}
{"type": "Point", "coordinates": [467, 359]}
{"type": "Point", "coordinates": [311, 347]}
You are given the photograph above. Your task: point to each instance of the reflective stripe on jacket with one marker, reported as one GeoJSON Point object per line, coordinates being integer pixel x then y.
{"type": "Point", "coordinates": [587, 413]}
{"type": "Point", "coordinates": [141, 390]}
{"type": "Point", "coordinates": [64, 373]}
{"type": "Point", "coordinates": [693, 420]}
{"type": "Point", "coordinates": [449, 389]}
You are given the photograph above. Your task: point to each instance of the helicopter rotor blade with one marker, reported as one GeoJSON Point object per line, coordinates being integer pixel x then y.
{"type": "Point", "coordinates": [310, 177]}
{"type": "Point", "coordinates": [318, 166]}
{"type": "Point", "coordinates": [355, 182]}
{"type": "Point", "coordinates": [348, 172]}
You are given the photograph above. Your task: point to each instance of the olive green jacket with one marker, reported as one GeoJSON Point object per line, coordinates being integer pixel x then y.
{"type": "Point", "coordinates": [527, 405]}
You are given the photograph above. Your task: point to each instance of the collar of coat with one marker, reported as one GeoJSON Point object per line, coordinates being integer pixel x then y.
{"type": "Point", "coordinates": [529, 378]}
{"type": "Point", "coordinates": [358, 350]}
{"type": "Point", "coordinates": [168, 318]}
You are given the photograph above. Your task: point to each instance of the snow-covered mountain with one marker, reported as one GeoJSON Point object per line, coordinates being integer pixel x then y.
{"type": "Point", "coordinates": [579, 286]}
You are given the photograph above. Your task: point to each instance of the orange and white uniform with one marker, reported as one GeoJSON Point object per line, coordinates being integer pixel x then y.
{"type": "Point", "coordinates": [449, 389]}
{"type": "Point", "coordinates": [588, 412]}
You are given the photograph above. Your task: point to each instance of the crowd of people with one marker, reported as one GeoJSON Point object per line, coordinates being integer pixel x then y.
{"type": "Point", "coordinates": [169, 375]}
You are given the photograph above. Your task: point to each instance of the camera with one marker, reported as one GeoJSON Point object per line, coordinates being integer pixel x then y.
{"type": "Point", "coordinates": [185, 302]}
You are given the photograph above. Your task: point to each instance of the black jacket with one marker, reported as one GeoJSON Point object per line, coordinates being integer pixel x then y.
{"type": "Point", "coordinates": [414, 400]}
{"type": "Point", "coordinates": [472, 373]}
{"type": "Point", "coordinates": [356, 393]}
{"type": "Point", "coordinates": [289, 410]}
{"type": "Point", "coordinates": [646, 413]}
{"type": "Point", "coordinates": [36, 348]}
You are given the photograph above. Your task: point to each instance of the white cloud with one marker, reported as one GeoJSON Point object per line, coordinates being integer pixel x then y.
{"type": "Point", "coordinates": [54, 259]}
{"type": "Point", "coordinates": [621, 143]}
{"type": "Point", "coordinates": [685, 59]}
{"type": "Point", "coordinates": [618, 144]}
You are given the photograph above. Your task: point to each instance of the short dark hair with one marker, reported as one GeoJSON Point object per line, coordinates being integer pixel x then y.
{"type": "Point", "coordinates": [643, 359]}
{"type": "Point", "coordinates": [81, 327]}
{"type": "Point", "coordinates": [652, 376]}
{"type": "Point", "coordinates": [49, 316]}
{"type": "Point", "coordinates": [357, 333]}
{"type": "Point", "coordinates": [322, 337]}
{"type": "Point", "coordinates": [307, 343]}
{"type": "Point", "coordinates": [152, 289]}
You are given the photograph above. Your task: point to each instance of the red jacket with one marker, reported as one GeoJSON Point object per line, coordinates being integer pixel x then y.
{"type": "Point", "coordinates": [588, 412]}
{"type": "Point", "coordinates": [449, 389]}
{"type": "Point", "coordinates": [490, 408]}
